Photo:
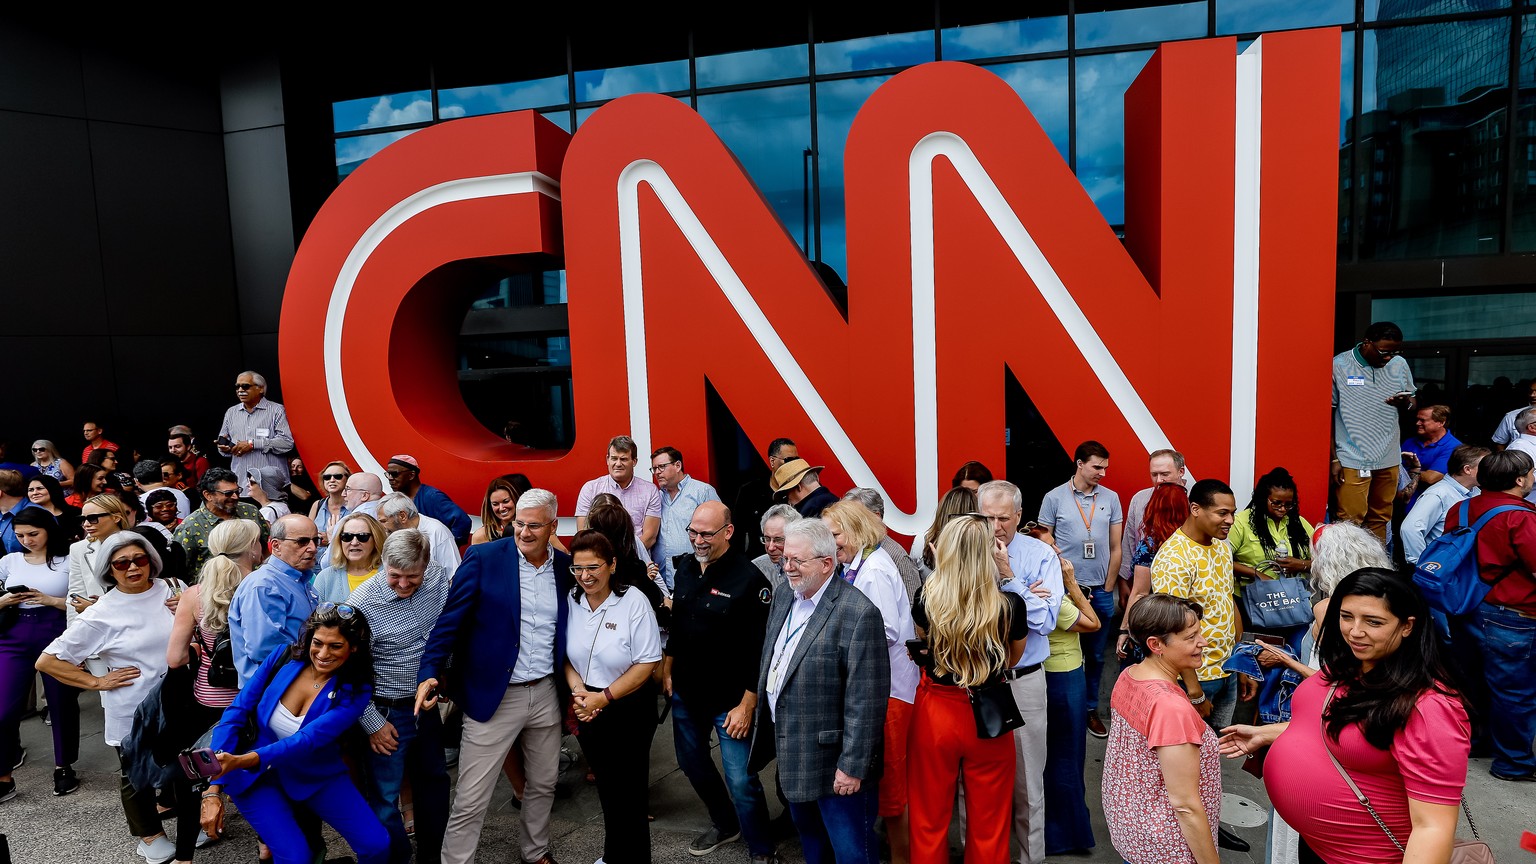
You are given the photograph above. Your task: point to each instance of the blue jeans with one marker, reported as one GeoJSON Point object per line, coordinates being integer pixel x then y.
{"type": "Point", "coordinates": [1223, 695]}
{"type": "Point", "coordinates": [419, 755]}
{"type": "Point", "coordinates": [1068, 827]}
{"type": "Point", "coordinates": [1507, 643]}
{"type": "Point", "coordinates": [744, 807]}
{"type": "Point", "coordinates": [1103, 601]}
{"type": "Point", "coordinates": [840, 828]}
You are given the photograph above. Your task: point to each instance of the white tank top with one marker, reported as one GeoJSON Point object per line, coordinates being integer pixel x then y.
{"type": "Point", "coordinates": [283, 723]}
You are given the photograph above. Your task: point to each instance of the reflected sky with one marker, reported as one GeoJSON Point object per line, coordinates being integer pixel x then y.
{"type": "Point", "coordinates": [1129, 26]}
{"type": "Point", "coordinates": [381, 111]}
{"type": "Point", "coordinates": [1101, 84]}
{"type": "Point", "coordinates": [874, 52]}
{"type": "Point", "coordinates": [836, 104]}
{"type": "Point", "coordinates": [596, 85]}
{"type": "Point", "coordinates": [1029, 36]}
{"type": "Point", "coordinates": [769, 131]}
{"type": "Point", "coordinates": [494, 98]}
{"type": "Point", "coordinates": [1252, 16]}
{"type": "Point", "coordinates": [1042, 84]}
{"type": "Point", "coordinates": [352, 152]}
{"type": "Point", "coordinates": [1389, 10]}
{"type": "Point", "coordinates": [746, 67]}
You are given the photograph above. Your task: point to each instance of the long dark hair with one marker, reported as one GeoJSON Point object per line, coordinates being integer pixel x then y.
{"type": "Point", "coordinates": [54, 487]}
{"type": "Point", "coordinates": [612, 521]}
{"type": "Point", "coordinates": [1278, 478]}
{"type": "Point", "coordinates": [358, 670]}
{"type": "Point", "coordinates": [58, 540]}
{"type": "Point", "coordinates": [85, 478]}
{"type": "Point", "coordinates": [1383, 699]}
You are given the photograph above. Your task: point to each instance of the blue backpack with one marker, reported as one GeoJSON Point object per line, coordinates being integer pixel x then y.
{"type": "Point", "coordinates": [1447, 570]}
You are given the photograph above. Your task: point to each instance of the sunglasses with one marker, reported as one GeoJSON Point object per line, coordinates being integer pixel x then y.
{"type": "Point", "coordinates": [333, 476]}
{"type": "Point", "coordinates": [93, 518]}
{"type": "Point", "coordinates": [232, 493]}
{"type": "Point", "coordinates": [303, 541]}
{"type": "Point", "coordinates": [122, 564]}
{"type": "Point", "coordinates": [342, 610]}
{"type": "Point", "coordinates": [39, 449]}
{"type": "Point", "coordinates": [349, 537]}
{"type": "Point", "coordinates": [247, 386]}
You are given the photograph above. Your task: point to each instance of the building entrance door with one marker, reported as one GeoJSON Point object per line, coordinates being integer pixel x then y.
{"type": "Point", "coordinates": [1481, 381]}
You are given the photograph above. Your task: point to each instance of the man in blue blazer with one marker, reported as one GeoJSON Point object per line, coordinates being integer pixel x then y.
{"type": "Point", "coordinates": [503, 627]}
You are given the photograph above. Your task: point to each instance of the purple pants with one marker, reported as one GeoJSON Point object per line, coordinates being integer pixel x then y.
{"type": "Point", "coordinates": [30, 631]}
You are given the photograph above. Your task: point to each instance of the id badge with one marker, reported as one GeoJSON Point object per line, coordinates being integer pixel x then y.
{"type": "Point", "coordinates": [1089, 550]}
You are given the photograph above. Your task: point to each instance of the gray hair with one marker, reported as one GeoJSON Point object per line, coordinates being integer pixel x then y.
{"type": "Point", "coordinates": [816, 533]}
{"type": "Point", "coordinates": [994, 488]}
{"type": "Point", "coordinates": [103, 566]}
{"type": "Point", "coordinates": [871, 499]}
{"type": "Point", "coordinates": [1341, 549]}
{"type": "Point", "coordinates": [1524, 419]}
{"type": "Point", "coordinates": [407, 549]}
{"type": "Point", "coordinates": [398, 504]}
{"type": "Point", "coordinates": [779, 511]}
{"type": "Point", "coordinates": [539, 499]}
{"type": "Point", "coordinates": [1176, 456]}
{"type": "Point", "coordinates": [256, 378]}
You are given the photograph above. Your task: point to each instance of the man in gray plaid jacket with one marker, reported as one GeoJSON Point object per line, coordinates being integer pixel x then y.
{"type": "Point", "coordinates": [822, 689]}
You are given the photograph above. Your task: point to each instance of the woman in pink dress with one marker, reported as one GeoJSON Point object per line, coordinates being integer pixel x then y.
{"type": "Point", "coordinates": [1162, 766]}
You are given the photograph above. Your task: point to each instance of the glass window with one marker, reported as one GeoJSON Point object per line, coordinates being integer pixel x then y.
{"type": "Point", "coordinates": [1101, 84]}
{"type": "Point", "coordinates": [379, 112]}
{"type": "Point", "coordinates": [1458, 317]}
{"type": "Point", "coordinates": [1346, 119]}
{"type": "Point", "coordinates": [769, 131]}
{"type": "Point", "coordinates": [1524, 128]}
{"type": "Point", "coordinates": [352, 152]}
{"type": "Point", "coordinates": [1394, 10]}
{"type": "Point", "coordinates": [561, 118]}
{"type": "Point", "coordinates": [1042, 84]}
{"type": "Point", "coordinates": [1029, 36]}
{"type": "Point", "coordinates": [495, 98]}
{"type": "Point", "coordinates": [836, 104]}
{"type": "Point", "coordinates": [597, 85]}
{"type": "Point", "coordinates": [874, 52]}
{"type": "Point", "coordinates": [1140, 24]}
{"type": "Point", "coordinates": [1431, 128]}
{"type": "Point", "coordinates": [520, 289]}
{"type": "Point", "coordinates": [1255, 16]}
{"type": "Point", "coordinates": [745, 67]}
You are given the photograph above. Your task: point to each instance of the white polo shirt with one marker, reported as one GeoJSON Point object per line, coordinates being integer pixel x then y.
{"type": "Point", "coordinates": [603, 643]}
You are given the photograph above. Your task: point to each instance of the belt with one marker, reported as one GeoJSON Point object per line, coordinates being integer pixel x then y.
{"type": "Point", "coordinates": [1521, 612]}
{"type": "Point", "coordinates": [402, 702]}
{"type": "Point", "coordinates": [528, 683]}
{"type": "Point", "coordinates": [1016, 674]}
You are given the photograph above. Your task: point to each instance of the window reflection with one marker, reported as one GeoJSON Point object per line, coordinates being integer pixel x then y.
{"type": "Point", "coordinates": [1131, 26]}
{"type": "Point", "coordinates": [1431, 128]}
{"type": "Point", "coordinates": [1392, 10]}
{"type": "Point", "coordinates": [1029, 36]}
{"type": "Point", "coordinates": [520, 289]}
{"type": "Point", "coordinates": [1042, 84]}
{"type": "Point", "coordinates": [495, 98]}
{"type": "Point", "coordinates": [836, 104]}
{"type": "Point", "coordinates": [352, 152]}
{"type": "Point", "coordinates": [561, 118]}
{"type": "Point", "coordinates": [1101, 84]}
{"type": "Point", "coordinates": [379, 112]}
{"type": "Point", "coordinates": [746, 67]}
{"type": "Point", "coordinates": [874, 52]}
{"type": "Point", "coordinates": [1458, 317]}
{"type": "Point", "coordinates": [1346, 150]}
{"type": "Point", "coordinates": [1524, 128]}
{"type": "Point", "coordinates": [596, 85]}
{"type": "Point", "coordinates": [1253, 16]}
{"type": "Point", "coordinates": [769, 131]}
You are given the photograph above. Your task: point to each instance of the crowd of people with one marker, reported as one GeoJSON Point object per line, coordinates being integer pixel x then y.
{"type": "Point", "coordinates": [302, 650]}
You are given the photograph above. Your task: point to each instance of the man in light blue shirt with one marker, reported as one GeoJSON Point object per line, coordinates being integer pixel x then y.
{"type": "Point", "coordinates": [1426, 520]}
{"type": "Point", "coordinates": [271, 605]}
{"type": "Point", "coordinates": [1507, 432]}
{"type": "Point", "coordinates": [680, 496]}
{"type": "Point", "coordinates": [1031, 570]}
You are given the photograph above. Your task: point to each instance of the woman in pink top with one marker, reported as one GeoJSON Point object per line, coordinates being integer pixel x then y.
{"type": "Point", "coordinates": [1386, 709]}
{"type": "Point", "coordinates": [1162, 768]}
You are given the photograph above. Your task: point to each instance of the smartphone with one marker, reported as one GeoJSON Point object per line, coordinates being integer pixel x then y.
{"type": "Point", "coordinates": [1263, 637]}
{"type": "Point", "coordinates": [74, 596]}
{"type": "Point", "coordinates": [199, 764]}
{"type": "Point", "coordinates": [18, 589]}
{"type": "Point", "coordinates": [1403, 393]}
{"type": "Point", "coordinates": [224, 441]}
{"type": "Point", "coordinates": [917, 649]}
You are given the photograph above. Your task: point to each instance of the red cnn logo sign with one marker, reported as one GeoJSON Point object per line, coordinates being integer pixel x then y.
{"type": "Point", "coordinates": [971, 249]}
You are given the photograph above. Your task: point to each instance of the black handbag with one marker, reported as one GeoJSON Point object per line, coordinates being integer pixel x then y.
{"type": "Point", "coordinates": [995, 711]}
{"type": "Point", "coordinates": [221, 663]}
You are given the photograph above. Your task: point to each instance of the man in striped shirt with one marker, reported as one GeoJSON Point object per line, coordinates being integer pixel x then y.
{"type": "Point", "coordinates": [401, 604]}
{"type": "Point", "coordinates": [1371, 386]}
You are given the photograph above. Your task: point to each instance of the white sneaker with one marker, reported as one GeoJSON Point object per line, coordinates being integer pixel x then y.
{"type": "Point", "coordinates": [159, 851]}
{"type": "Point", "coordinates": [203, 839]}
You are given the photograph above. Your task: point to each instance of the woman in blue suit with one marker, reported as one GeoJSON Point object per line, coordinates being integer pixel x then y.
{"type": "Point", "coordinates": [292, 713]}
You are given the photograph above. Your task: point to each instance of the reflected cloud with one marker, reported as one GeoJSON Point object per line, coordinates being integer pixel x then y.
{"type": "Point", "coordinates": [745, 67]}
{"type": "Point", "coordinates": [1101, 84]}
{"type": "Point", "coordinates": [1253, 16]}
{"type": "Point", "coordinates": [1130, 26]}
{"type": "Point", "coordinates": [602, 84]}
{"type": "Point", "coordinates": [495, 98]}
{"type": "Point", "coordinates": [875, 52]}
{"type": "Point", "coordinates": [1042, 84]}
{"type": "Point", "coordinates": [1027, 36]}
{"type": "Point", "coordinates": [352, 152]}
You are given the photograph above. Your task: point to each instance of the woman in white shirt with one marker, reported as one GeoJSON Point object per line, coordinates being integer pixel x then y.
{"type": "Point", "coordinates": [858, 532]}
{"type": "Point", "coordinates": [612, 645]}
{"type": "Point", "coordinates": [127, 629]}
{"type": "Point", "coordinates": [32, 615]}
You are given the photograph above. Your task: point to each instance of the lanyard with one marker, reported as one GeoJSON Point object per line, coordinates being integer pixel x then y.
{"type": "Point", "coordinates": [1092, 503]}
{"type": "Point", "coordinates": [788, 635]}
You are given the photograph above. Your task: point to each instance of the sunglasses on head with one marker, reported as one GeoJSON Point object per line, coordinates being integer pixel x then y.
{"type": "Point", "coordinates": [342, 610]}
{"type": "Point", "coordinates": [349, 537]}
{"type": "Point", "coordinates": [122, 564]}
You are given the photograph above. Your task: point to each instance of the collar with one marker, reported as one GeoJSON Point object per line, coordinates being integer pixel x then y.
{"type": "Point", "coordinates": [1443, 433]}
{"type": "Point", "coordinates": [1359, 357]}
{"type": "Point", "coordinates": [632, 479]}
{"type": "Point", "coordinates": [549, 559]}
{"type": "Point", "coordinates": [609, 602]}
{"type": "Point", "coordinates": [288, 570]}
{"type": "Point", "coordinates": [680, 484]}
{"type": "Point", "coordinates": [260, 404]}
{"type": "Point", "coordinates": [1072, 485]}
{"type": "Point", "coordinates": [1456, 487]}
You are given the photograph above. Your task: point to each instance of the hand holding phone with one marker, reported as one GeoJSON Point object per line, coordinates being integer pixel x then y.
{"type": "Point", "coordinates": [199, 764]}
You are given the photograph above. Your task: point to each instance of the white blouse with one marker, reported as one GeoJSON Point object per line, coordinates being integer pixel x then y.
{"type": "Point", "coordinates": [51, 578]}
{"type": "Point", "coordinates": [603, 643]}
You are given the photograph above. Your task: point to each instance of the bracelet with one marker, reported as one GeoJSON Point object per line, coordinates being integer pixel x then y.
{"type": "Point", "coordinates": [1194, 701]}
{"type": "Point", "coordinates": [608, 694]}
{"type": "Point", "coordinates": [1125, 631]}
{"type": "Point", "coordinates": [218, 795]}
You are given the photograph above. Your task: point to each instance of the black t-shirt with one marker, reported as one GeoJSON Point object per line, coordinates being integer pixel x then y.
{"type": "Point", "coordinates": [1018, 627]}
{"type": "Point", "coordinates": [719, 617]}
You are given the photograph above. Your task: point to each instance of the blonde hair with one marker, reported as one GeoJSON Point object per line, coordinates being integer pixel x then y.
{"type": "Point", "coordinates": [339, 556]}
{"type": "Point", "coordinates": [220, 575]}
{"type": "Point", "coordinates": [115, 507]}
{"type": "Point", "coordinates": [967, 618]}
{"type": "Point", "coordinates": [860, 528]}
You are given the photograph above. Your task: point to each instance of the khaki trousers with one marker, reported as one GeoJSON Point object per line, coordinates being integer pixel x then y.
{"type": "Point", "coordinates": [1367, 501]}
{"type": "Point", "coordinates": [534, 713]}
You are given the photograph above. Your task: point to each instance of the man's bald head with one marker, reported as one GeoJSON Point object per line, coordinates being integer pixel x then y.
{"type": "Point", "coordinates": [710, 531]}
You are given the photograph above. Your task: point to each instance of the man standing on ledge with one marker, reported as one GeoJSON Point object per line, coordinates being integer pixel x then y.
{"type": "Point", "coordinates": [719, 615]}
{"type": "Point", "coordinates": [1371, 384]}
{"type": "Point", "coordinates": [405, 477]}
{"type": "Point", "coordinates": [255, 432]}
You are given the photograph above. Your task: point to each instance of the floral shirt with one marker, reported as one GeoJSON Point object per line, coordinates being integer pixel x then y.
{"type": "Point", "coordinates": [193, 533]}
{"type": "Point", "coordinates": [1203, 574]}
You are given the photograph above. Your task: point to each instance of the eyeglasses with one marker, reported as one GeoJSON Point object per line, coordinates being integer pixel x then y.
{"type": "Point", "coordinates": [93, 518]}
{"type": "Point", "coordinates": [656, 469]}
{"type": "Point", "coordinates": [349, 537]}
{"type": "Point", "coordinates": [704, 535]}
{"type": "Point", "coordinates": [397, 472]}
{"type": "Point", "coordinates": [168, 475]}
{"type": "Point", "coordinates": [583, 569]}
{"type": "Point", "coordinates": [333, 476]}
{"type": "Point", "coordinates": [302, 541]}
{"type": "Point", "coordinates": [122, 564]}
{"type": "Point", "coordinates": [342, 610]}
{"type": "Point", "coordinates": [801, 562]}
{"type": "Point", "coordinates": [1283, 505]}
{"type": "Point", "coordinates": [773, 541]}
{"type": "Point", "coordinates": [530, 526]}
{"type": "Point", "coordinates": [226, 493]}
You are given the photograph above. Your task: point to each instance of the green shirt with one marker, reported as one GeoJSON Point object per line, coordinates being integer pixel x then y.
{"type": "Point", "coordinates": [1246, 548]}
{"type": "Point", "coordinates": [193, 533]}
{"type": "Point", "coordinates": [1066, 648]}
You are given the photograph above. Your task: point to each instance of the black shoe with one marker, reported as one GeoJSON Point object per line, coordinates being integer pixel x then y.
{"type": "Point", "coordinates": [1227, 840]}
{"type": "Point", "coordinates": [21, 759]}
{"type": "Point", "coordinates": [1511, 778]}
{"type": "Point", "coordinates": [711, 840]}
{"type": "Point", "coordinates": [65, 781]}
{"type": "Point", "coordinates": [7, 790]}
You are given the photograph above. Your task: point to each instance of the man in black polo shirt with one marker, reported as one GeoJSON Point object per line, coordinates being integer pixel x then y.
{"type": "Point", "coordinates": [719, 615]}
